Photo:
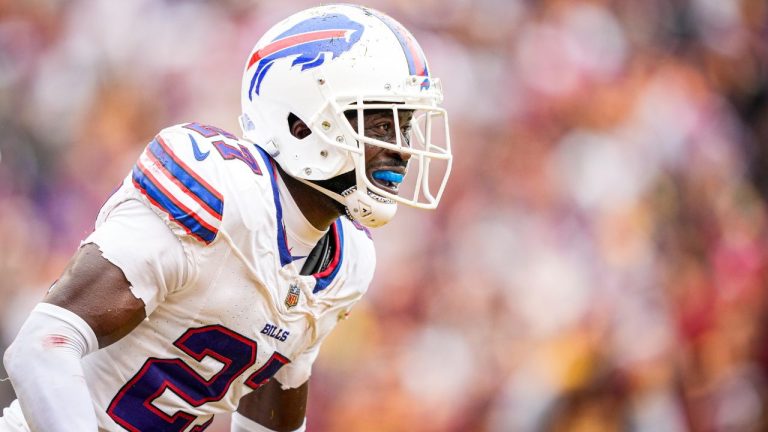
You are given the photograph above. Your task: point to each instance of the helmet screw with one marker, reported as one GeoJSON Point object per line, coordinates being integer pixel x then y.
{"type": "Point", "coordinates": [339, 138]}
{"type": "Point", "coordinates": [326, 125]}
{"type": "Point", "coordinates": [324, 153]}
{"type": "Point", "coordinates": [307, 171]}
{"type": "Point", "coordinates": [321, 81]}
{"type": "Point", "coordinates": [387, 86]}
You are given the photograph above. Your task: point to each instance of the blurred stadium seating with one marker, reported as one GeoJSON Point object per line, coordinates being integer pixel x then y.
{"type": "Point", "coordinates": [598, 262]}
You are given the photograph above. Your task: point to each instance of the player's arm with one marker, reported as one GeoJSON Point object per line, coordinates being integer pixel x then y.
{"type": "Point", "coordinates": [127, 266]}
{"type": "Point", "coordinates": [90, 306]}
{"type": "Point", "coordinates": [98, 292]}
{"type": "Point", "coordinates": [270, 408]}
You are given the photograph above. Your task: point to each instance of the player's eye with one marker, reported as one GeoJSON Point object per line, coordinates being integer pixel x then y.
{"type": "Point", "coordinates": [381, 128]}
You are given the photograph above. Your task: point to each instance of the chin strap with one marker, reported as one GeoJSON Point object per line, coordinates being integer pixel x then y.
{"type": "Point", "coordinates": [324, 191]}
{"type": "Point", "coordinates": [366, 208]}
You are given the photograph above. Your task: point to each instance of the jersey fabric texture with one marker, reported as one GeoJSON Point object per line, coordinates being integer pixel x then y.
{"type": "Point", "coordinates": [197, 228]}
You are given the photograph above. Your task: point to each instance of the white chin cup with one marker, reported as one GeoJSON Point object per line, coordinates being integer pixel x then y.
{"type": "Point", "coordinates": [367, 208]}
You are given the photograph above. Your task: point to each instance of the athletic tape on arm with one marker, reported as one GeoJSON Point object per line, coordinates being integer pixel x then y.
{"type": "Point", "coordinates": [43, 363]}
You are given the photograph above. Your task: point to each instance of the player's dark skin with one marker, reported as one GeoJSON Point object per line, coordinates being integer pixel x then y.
{"type": "Point", "coordinates": [98, 291]}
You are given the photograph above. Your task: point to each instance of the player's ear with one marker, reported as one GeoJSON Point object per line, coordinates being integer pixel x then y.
{"type": "Point", "coordinates": [298, 128]}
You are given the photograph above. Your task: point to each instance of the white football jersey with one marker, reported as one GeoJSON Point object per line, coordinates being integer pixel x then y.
{"type": "Point", "coordinates": [231, 310]}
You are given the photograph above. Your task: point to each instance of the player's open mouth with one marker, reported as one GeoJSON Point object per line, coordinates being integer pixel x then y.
{"type": "Point", "coordinates": [388, 179]}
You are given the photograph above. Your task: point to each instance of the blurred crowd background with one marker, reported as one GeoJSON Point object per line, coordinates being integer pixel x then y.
{"type": "Point", "coordinates": [598, 262]}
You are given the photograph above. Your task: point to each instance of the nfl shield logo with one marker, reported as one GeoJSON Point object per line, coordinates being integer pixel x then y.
{"type": "Point", "coordinates": [292, 299]}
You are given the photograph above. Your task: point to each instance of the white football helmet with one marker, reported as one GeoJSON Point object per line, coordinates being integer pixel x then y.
{"type": "Point", "coordinates": [326, 60]}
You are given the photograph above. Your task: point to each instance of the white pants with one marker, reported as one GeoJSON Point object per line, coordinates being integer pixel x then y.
{"type": "Point", "coordinates": [12, 419]}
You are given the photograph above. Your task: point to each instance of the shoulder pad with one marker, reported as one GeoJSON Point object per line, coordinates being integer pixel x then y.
{"type": "Point", "coordinates": [181, 182]}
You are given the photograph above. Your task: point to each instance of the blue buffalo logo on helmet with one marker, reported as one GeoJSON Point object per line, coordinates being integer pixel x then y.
{"type": "Point", "coordinates": [309, 40]}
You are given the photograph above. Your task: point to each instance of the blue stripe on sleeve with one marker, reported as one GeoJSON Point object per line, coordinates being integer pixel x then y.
{"type": "Point", "coordinates": [175, 212]}
{"type": "Point", "coordinates": [194, 186]}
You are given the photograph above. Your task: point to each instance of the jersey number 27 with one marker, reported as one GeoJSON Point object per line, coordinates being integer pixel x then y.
{"type": "Point", "coordinates": [132, 407]}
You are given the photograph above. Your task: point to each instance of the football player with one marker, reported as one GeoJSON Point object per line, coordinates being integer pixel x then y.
{"type": "Point", "coordinates": [224, 262]}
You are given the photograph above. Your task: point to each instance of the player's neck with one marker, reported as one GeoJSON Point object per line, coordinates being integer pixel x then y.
{"type": "Point", "coordinates": [320, 210]}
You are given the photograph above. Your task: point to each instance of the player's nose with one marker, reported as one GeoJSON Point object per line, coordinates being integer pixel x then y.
{"type": "Point", "coordinates": [401, 158]}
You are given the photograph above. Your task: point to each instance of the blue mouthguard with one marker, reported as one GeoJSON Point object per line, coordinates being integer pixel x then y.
{"type": "Point", "coordinates": [388, 176]}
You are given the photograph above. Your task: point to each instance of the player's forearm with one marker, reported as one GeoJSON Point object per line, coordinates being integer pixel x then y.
{"type": "Point", "coordinates": [44, 366]}
{"type": "Point", "coordinates": [273, 408]}
{"type": "Point", "coordinates": [241, 423]}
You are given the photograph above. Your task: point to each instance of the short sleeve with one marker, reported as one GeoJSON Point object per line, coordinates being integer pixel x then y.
{"type": "Point", "coordinates": [131, 236]}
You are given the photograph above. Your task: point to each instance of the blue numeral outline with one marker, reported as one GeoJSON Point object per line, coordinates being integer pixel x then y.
{"type": "Point", "coordinates": [132, 406]}
{"type": "Point", "coordinates": [227, 152]}
{"type": "Point", "coordinates": [242, 154]}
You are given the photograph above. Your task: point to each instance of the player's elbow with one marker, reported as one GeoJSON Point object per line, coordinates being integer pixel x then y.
{"type": "Point", "coordinates": [20, 356]}
{"type": "Point", "coordinates": [29, 351]}
{"type": "Point", "coordinates": [11, 359]}
{"type": "Point", "coordinates": [49, 336]}
{"type": "Point", "coordinates": [30, 347]}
